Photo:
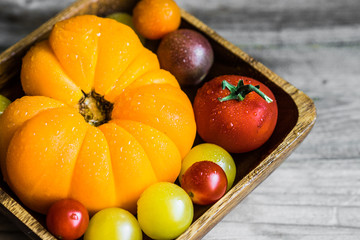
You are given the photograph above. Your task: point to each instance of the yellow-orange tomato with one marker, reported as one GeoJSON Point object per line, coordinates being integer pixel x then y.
{"type": "Point", "coordinates": [100, 123]}
{"type": "Point", "coordinates": [153, 19]}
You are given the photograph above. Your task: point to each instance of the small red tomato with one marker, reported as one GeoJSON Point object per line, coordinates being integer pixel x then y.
{"type": "Point", "coordinates": [205, 182]}
{"type": "Point", "coordinates": [67, 219]}
{"type": "Point", "coordinates": [235, 112]}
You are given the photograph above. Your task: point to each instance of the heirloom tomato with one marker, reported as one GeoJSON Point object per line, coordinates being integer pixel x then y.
{"type": "Point", "coordinates": [113, 224]}
{"type": "Point", "coordinates": [100, 121]}
{"type": "Point", "coordinates": [205, 182]}
{"type": "Point", "coordinates": [235, 112]}
{"type": "Point", "coordinates": [67, 219]}
{"type": "Point", "coordinates": [164, 211]}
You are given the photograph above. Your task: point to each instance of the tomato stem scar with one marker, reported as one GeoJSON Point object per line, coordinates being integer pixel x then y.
{"type": "Point", "coordinates": [95, 109]}
{"type": "Point", "coordinates": [241, 90]}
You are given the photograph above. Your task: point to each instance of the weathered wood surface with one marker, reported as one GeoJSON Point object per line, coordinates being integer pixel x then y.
{"type": "Point", "coordinates": [315, 45]}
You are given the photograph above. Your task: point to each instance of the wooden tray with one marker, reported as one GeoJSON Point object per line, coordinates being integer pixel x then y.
{"type": "Point", "coordinates": [297, 116]}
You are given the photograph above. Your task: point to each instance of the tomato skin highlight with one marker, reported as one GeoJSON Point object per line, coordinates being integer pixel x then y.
{"type": "Point", "coordinates": [237, 126]}
{"type": "Point", "coordinates": [205, 182]}
{"type": "Point", "coordinates": [67, 219]}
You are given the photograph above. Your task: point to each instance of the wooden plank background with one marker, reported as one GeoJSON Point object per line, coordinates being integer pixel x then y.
{"type": "Point", "coordinates": [313, 44]}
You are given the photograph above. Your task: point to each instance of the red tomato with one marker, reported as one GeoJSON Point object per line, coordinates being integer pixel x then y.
{"type": "Point", "coordinates": [67, 219]}
{"type": "Point", "coordinates": [234, 114]}
{"type": "Point", "coordinates": [205, 182]}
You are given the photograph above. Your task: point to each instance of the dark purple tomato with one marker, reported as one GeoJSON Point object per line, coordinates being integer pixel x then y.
{"type": "Point", "coordinates": [186, 54]}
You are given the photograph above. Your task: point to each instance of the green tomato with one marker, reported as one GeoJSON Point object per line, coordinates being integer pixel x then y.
{"type": "Point", "coordinates": [113, 223]}
{"type": "Point", "coordinates": [126, 19]}
{"type": "Point", "coordinates": [4, 102]}
{"type": "Point", "coordinates": [165, 211]}
{"type": "Point", "coordinates": [213, 153]}
{"type": "Point", "coordinates": [122, 17]}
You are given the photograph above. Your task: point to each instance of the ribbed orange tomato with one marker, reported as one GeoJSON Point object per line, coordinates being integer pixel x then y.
{"type": "Point", "coordinates": [100, 123]}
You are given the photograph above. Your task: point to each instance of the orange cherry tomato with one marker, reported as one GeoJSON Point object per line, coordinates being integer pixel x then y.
{"type": "Point", "coordinates": [153, 19]}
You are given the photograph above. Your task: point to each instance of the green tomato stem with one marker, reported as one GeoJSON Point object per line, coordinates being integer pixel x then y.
{"type": "Point", "coordinates": [241, 90]}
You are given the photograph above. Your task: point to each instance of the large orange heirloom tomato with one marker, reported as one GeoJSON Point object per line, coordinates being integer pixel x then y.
{"type": "Point", "coordinates": [100, 123]}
